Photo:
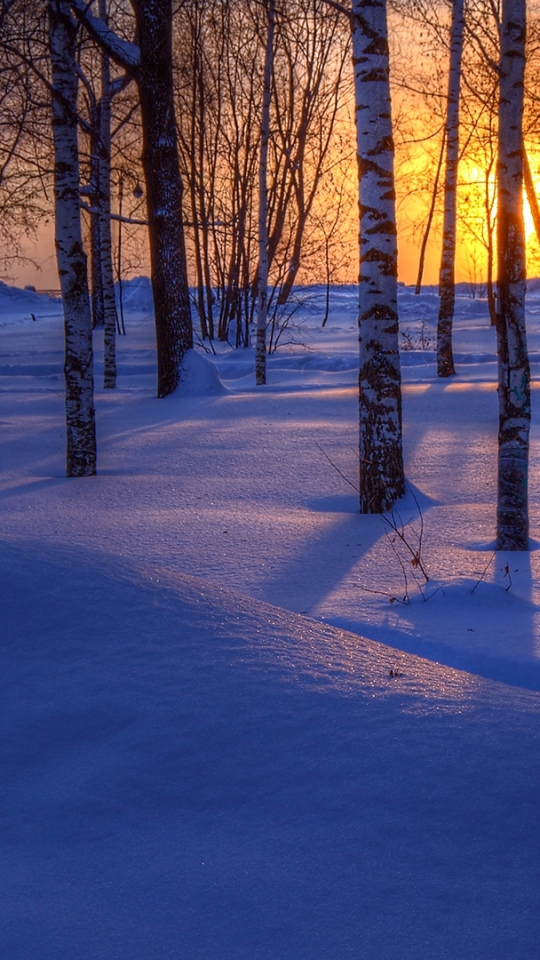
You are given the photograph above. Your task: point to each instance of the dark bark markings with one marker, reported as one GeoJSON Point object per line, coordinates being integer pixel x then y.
{"type": "Point", "coordinates": [381, 459]}
{"type": "Point", "coordinates": [72, 270]}
{"type": "Point", "coordinates": [164, 190]}
{"type": "Point", "coordinates": [514, 371]}
{"type": "Point", "coordinates": [447, 292]}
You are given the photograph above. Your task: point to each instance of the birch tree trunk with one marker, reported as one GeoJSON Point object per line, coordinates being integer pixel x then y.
{"type": "Point", "coordinates": [382, 479]}
{"type": "Point", "coordinates": [96, 275]}
{"type": "Point", "coordinates": [514, 372]}
{"type": "Point", "coordinates": [447, 290]}
{"type": "Point", "coordinates": [110, 318]}
{"type": "Point", "coordinates": [78, 364]}
{"type": "Point", "coordinates": [262, 293]}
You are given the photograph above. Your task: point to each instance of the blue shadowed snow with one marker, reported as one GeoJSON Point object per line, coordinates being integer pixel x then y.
{"type": "Point", "coordinates": [188, 773]}
{"type": "Point", "coordinates": [203, 757]}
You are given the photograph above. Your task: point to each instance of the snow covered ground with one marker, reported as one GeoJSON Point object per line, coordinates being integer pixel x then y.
{"type": "Point", "coordinates": [203, 757]}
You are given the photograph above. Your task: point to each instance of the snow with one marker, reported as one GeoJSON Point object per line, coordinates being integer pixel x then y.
{"type": "Point", "coordinates": [221, 741]}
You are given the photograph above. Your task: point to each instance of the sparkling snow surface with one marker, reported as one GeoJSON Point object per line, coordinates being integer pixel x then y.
{"type": "Point", "coordinates": [203, 755]}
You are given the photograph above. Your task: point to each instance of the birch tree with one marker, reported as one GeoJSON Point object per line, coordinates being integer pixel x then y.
{"type": "Point", "coordinates": [78, 365]}
{"type": "Point", "coordinates": [103, 193]}
{"type": "Point", "coordinates": [220, 53]}
{"type": "Point", "coordinates": [447, 293]}
{"type": "Point", "coordinates": [262, 298]}
{"type": "Point", "coordinates": [514, 372]}
{"type": "Point", "coordinates": [103, 299]}
{"type": "Point", "coordinates": [382, 479]}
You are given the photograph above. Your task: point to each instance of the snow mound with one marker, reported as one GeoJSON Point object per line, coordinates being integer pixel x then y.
{"type": "Point", "coordinates": [189, 773]}
{"type": "Point", "coordinates": [137, 294]}
{"type": "Point", "coordinates": [199, 377]}
{"type": "Point", "coordinates": [19, 306]}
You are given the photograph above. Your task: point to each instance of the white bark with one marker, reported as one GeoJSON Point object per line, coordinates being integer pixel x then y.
{"type": "Point", "coordinates": [104, 192]}
{"type": "Point", "coordinates": [381, 459]}
{"type": "Point", "coordinates": [514, 372]}
{"type": "Point", "coordinates": [125, 53]}
{"type": "Point", "coordinates": [78, 366]}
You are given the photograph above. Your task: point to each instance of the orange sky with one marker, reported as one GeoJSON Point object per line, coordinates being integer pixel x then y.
{"type": "Point", "coordinates": [40, 270]}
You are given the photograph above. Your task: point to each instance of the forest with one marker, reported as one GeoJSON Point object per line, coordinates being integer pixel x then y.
{"type": "Point", "coordinates": [269, 480]}
{"type": "Point", "coordinates": [237, 120]}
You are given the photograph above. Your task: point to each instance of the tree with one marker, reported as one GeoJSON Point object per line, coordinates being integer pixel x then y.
{"type": "Point", "coordinates": [25, 140]}
{"type": "Point", "coordinates": [103, 299]}
{"type": "Point", "coordinates": [262, 293]}
{"type": "Point", "coordinates": [429, 221]}
{"type": "Point", "coordinates": [445, 358]}
{"type": "Point", "coordinates": [312, 56]}
{"type": "Point", "coordinates": [382, 479]}
{"type": "Point", "coordinates": [514, 372]}
{"type": "Point", "coordinates": [103, 199]}
{"type": "Point", "coordinates": [479, 124]}
{"type": "Point", "coordinates": [78, 365]}
{"type": "Point", "coordinates": [150, 64]}
{"type": "Point", "coordinates": [220, 53]}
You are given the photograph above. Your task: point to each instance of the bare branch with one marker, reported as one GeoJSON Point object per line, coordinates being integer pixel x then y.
{"type": "Point", "coordinates": [124, 53]}
{"type": "Point", "coordinates": [340, 8]}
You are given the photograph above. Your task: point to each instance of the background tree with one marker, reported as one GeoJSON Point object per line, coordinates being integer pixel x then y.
{"type": "Point", "coordinates": [445, 357]}
{"type": "Point", "coordinates": [25, 133]}
{"type": "Point", "coordinates": [98, 94]}
{"type": "Point", "coordinates": [262, 293]}
{"type": "Point", "coordinates": [220, 79]}
{"type": "Point", "coordinates": [479, 121]}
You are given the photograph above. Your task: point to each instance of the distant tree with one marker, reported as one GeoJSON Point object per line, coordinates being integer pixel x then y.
{"type": "Point", "coordinates": [198, 95]}
{"type": "Point", "coordinates": [479, 123]}
{"type": "Point", "coordinates": [429, 221]}
{"type": "Point", "coordinates": [220, 54]}
{"type": "Point", "coordinates": [99, 92]}
{"type": "Point", "coordinates": [103, 203]}
{"type": "Point", "coordinates": [25, 136]}
{"type": "Point", "coordinates": [313, 54]}
{"type": "Point", "coordinates": [78, 365]}
{"type": "Point", "coordinates": [447, 293]}
{"type": "Point", "coordinates": [514, 371]}
{"type": "Point", "coordinates": [382, 479]}
{"type": "Point", "coordinates": [262, 293]}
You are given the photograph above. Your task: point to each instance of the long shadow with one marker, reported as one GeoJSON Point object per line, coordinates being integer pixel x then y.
{"type": "Point", "coordinates": [324, 559]}
{"type": "Point", "coordinates": [31, 487]}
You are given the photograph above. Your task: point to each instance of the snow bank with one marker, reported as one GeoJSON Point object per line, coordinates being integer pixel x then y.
{"type": "Point", "coordinates": [189, 773]}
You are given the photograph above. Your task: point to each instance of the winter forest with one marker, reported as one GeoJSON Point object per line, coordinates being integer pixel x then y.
{"type": "Point", "coordinates": [270, 479]}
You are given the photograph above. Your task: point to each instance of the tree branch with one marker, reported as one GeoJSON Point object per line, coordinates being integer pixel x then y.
{"type": "Point", "coordinates": [124, 53]}
{"type": "Point", "coordinates": [340, 7]}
